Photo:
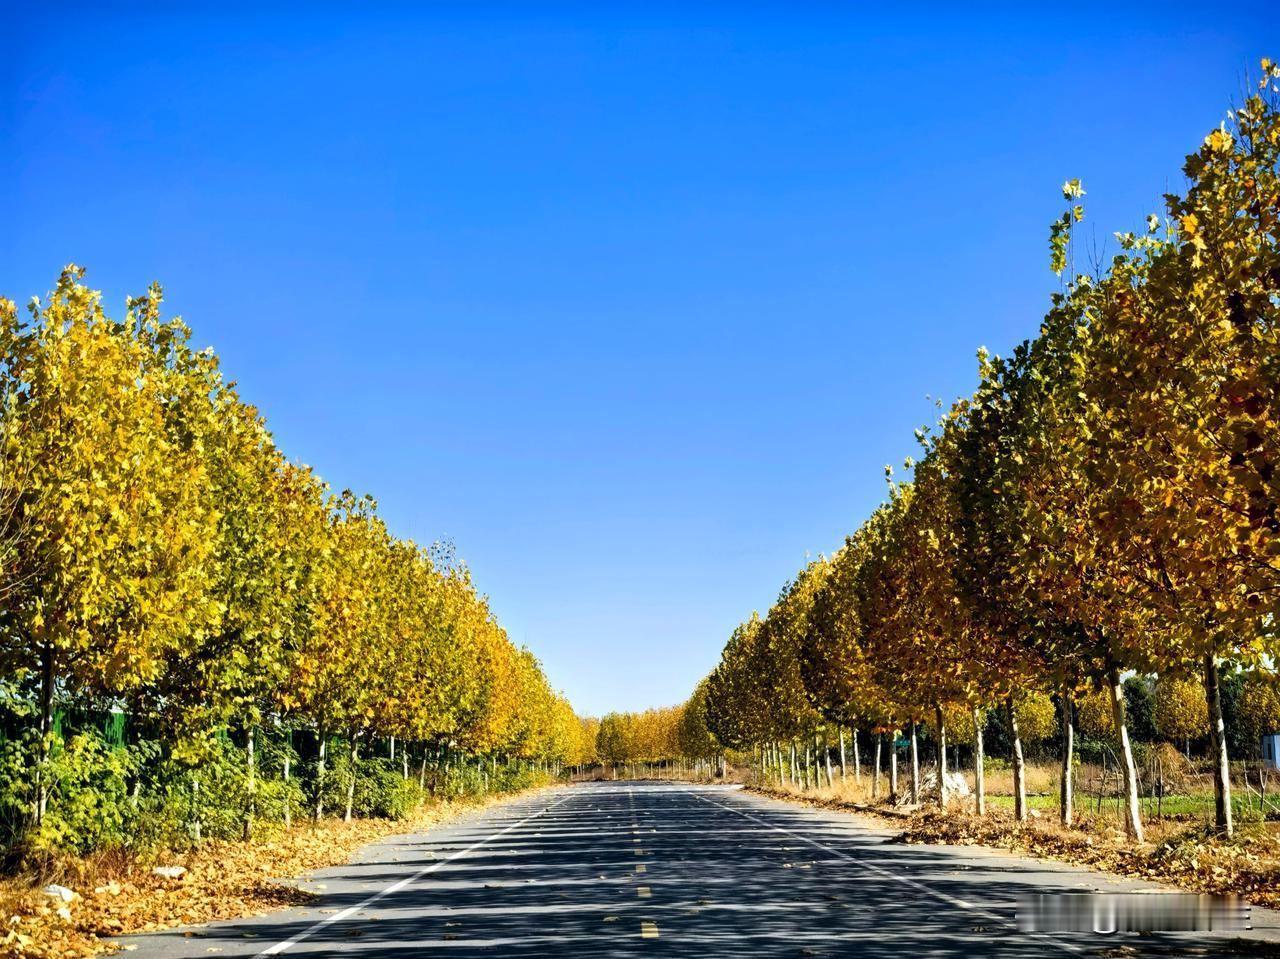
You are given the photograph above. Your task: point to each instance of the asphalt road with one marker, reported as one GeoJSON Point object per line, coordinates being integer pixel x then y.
{"type": "Point", "coordinates": [655, 869]}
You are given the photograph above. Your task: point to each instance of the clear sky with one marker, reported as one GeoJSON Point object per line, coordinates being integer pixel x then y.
{"type": "Point", "coordinates": [634, 304]}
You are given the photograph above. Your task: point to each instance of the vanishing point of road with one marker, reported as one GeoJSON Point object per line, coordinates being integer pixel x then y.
{"type": "Point", "coordinates": [669, 869]}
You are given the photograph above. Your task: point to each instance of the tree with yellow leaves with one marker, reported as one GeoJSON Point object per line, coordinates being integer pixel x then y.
{"type": "Point", "coordinates": [111, 571]}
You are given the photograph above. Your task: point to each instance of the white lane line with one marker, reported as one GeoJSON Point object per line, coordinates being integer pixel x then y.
{"type": "Point", "coordinates": [890, 874]}
{"type": "Point", "coordinates": [280, 947]}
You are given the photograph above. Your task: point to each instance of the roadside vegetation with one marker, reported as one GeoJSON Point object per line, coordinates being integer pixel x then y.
{"type": "Point", "coordinates": [1059, 631]}
{"type": "Point", "coordinates": [201, 643]}
{"type": "Point", "coordinates": [1182, 848]}
{"type": "Point", "coordinates": [1095, 530]}
{"type": "Point", "coordinates": [114, 892]}
{"type": "Point", "coordinates": [1082, 564]}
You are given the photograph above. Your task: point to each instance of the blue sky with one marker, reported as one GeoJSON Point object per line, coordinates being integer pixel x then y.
{"type": "Point", "coordinates": [632, 304]}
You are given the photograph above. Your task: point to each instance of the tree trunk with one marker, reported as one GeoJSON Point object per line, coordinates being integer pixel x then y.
{"type": "Point", "coordinates": [795, 772]}
{"type": "Point", "coordinates": [288, 814]}
{"type": "Point", "coordinates": [1065, 798]}
{"type": "Point", "coordinates": [942, 758]}
{"type": "Point", "coordinates": [251, 786]}
{"type": "Point", "coordinates": [875, 779]}
{"type": "Point", "coordinates": [324, 748]}
{"type": "Point", "coordinates": [893, 768]}
{"type": "Point", "coordinates": [843, 775]}
{"type": "Point", "coordinates": [195, 809]}
{"type": "Point", "coordinates": [826, 758]}
{"type": "Point", "coordinates": [857, 760]}
{"type": "Point", "coordinates": [1019, 767]}
{"type": "Point", "coordinates": [48, 680]}
{"type": "Point", "coordinates": [979, 764]}
{"type": "Point", "coordinates": [1218, 740]}
{"type": "Point", "coordinates": [915, 766]}
{"type": "Point", "coordinates": [1133, 816]}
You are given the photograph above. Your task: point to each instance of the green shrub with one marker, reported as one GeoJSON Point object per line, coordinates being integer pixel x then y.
{"type": "Point", "coordinates": [90, 805]}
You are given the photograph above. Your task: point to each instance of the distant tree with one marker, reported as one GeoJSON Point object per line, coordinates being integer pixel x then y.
{"type": "Point", "coordinates": [1140, 703]}
{"type": "Point", "coordinates": [1258, 708]}
{"type": "Point", "coordinates": [1180, 712]}
{"type": "Point", "coordinates": [1037, 717]}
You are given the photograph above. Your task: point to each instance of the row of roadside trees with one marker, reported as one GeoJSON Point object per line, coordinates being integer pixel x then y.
{"type": "Point", "coordinates": [662, 736]}
{"type": "Point", "coordinates": [1107, 502]}
{"type": "Point", "coordinates": [162, 559]}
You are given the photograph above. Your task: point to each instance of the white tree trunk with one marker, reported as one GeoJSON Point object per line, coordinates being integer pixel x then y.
{"type": "Point", "coordinates": [942, 759]}
{"type": "Point", "coordinates": [893, 768]}
{"type": "Point", "coordinates": [195, 809]}
{"type": "Point", "coordinates": [915, 766]}
{"type": "Point", "coordinates": [252, 785]}
{"type": "Point", "coordinates": [288, 813]}
{"type": "Point", "coordinates": [979, 764]}
{"type": "Point", "coordinates": [1065, 798]}
{"type": "Point", "coordinates": [1218, 739]}
{"type": "Point", "coordinates": [1133, 815]}
{"type": "Point", "coordinates": [875, 777]}
{"type": "Point", "coordinates": [1019, 767]}
{"type": "Point", "coordinates": [351, 785]}
{"type": "Point", "coordinates": [48, 684]}
{"type": "Point", "coordinates": [320, 771]}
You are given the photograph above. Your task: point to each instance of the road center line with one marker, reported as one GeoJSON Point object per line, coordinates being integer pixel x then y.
{"type": "Point", "coordinates": [281, 946]}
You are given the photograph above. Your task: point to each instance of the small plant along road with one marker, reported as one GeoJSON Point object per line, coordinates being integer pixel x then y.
{"type": "Point", "coordinates": [649, 869]}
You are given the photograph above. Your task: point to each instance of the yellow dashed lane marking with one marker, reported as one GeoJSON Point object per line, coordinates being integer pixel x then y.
{"type": "Point", "coordinates": [639, 852]}
{"type": "Point", "coordinates": [642, 892]}
{"type": "Point", "coordinates": [639, 867]}
{"type": "Point", "coordinates": [648, 930]}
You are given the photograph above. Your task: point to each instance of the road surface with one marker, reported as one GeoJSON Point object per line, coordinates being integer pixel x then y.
{"type": "Point", "coordinates": [664, 869]}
